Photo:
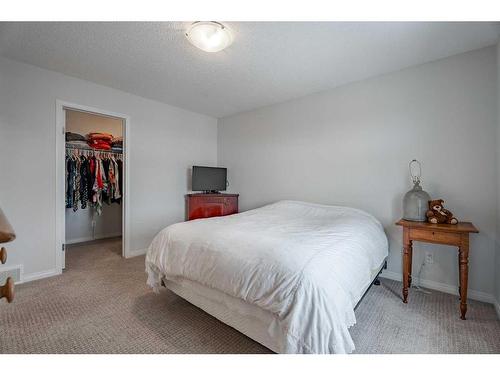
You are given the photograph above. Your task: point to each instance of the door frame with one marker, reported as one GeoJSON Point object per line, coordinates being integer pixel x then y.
{"type": "Point", "coordinates": [60, 123]}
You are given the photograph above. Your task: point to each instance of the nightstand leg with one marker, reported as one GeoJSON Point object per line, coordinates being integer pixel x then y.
{"type": "Point", "coordinates": [463, 256]}
{"type": "Point", "coordinates": [407, 250]}
{"type": "Point", "coordinates": [459, 292]}
{"type": "Point", "coordinates": [410, 258]}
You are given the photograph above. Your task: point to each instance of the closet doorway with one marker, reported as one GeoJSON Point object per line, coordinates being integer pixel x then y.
{"type": "Point", "coordinates": [92, 161]}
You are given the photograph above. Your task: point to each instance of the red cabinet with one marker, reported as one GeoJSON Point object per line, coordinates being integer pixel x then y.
{"type": "Point", "coordinates": [199, 206]}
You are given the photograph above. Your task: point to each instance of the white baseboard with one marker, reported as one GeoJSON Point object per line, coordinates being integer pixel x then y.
{"type": "Point", "coordinates": [20, 267]}
{"type": "Point", "coordinates": [43, 274]}
{"type": "Point", "coordinates": [445, 288]}
{"type": "Point", "coordinates": [90, 238]}
{"type": "Point", "coordinates": [136, 253]}
{"type": "Point", "coordinates": [497, 308]}
{"type": "Point", "coordinates": [38, 275]}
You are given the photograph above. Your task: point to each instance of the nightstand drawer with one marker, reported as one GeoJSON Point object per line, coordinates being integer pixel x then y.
{"type": "Point", "coordinates": [427, 235]}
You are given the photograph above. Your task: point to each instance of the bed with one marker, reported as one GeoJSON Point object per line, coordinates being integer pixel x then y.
{"type": "Point", "coordinates": [288, 275]}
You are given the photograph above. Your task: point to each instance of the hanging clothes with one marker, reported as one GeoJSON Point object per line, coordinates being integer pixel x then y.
{"type": "Point", "coordinates": [76, 185]}
{"type": "Point", "coordinates": [70, 171]}
{"type": "Point", "coordinates": [92, 178]}
{"type": "Point", "coordinates": [117, 196]}
{"type": "Point", "coordinates": [84, 176]}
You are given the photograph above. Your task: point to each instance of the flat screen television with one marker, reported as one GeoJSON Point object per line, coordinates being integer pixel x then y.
{"type": "Point", "coordinates": [209, 179]}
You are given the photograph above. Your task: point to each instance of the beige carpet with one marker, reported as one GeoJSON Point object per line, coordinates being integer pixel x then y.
{"type": "Point", "coordinates": [102, 305]}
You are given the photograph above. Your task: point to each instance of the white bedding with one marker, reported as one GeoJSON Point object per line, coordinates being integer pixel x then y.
{"type": "Point", "coordinates": [306, 264]}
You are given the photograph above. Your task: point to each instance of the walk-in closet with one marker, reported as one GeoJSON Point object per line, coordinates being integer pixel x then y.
{"type": "Point", "coordinates": [94, 183]}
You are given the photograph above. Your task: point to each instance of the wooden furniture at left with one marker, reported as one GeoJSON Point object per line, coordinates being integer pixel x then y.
{"type": "Point", "coordinates": [6, 235]}
{"type": "Point", "coordinates": [444, 234]}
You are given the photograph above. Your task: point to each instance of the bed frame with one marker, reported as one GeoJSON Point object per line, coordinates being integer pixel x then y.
{"type": "Point", "coordinates": [375, 281]}
{"type": "Point", "coordinates": [253, 322]}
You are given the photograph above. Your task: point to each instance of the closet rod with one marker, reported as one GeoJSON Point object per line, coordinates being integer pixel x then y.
{"type": "Point", "coordinates": [92, 150]}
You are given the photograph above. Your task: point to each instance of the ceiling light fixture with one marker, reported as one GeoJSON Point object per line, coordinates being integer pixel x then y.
{"type": "Point", "coordinates": [209, 36]}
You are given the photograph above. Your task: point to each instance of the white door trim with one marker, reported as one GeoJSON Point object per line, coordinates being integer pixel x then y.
{"type": "Point", "coordinates": [60, 176]}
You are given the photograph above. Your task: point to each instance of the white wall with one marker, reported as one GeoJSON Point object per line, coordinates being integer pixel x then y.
{"type": "Point", "coordinates": [79, 224]}
{"type": "Point", "coordinates": [497, 255]}
{"type": "Point", "coordinates": [165, 142]}
{"type": "Point", "coordinates": [351, 146]}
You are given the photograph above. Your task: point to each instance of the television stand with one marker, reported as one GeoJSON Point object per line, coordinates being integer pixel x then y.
{"type": "Point", "coordinates": [208, 204]}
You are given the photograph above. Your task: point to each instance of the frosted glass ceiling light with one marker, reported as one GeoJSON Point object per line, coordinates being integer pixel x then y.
{"type": "Point", "coordinates": [209, 36]}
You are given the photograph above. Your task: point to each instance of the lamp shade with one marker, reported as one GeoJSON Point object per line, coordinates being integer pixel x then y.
{"type": "Point", "coordinates": [415, 204]}
{"type": "Point", "coordinates": [6, 232]}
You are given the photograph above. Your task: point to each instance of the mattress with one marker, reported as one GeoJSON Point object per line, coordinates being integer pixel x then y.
{"type": "Point", "coordinates": [248, 319]}
{"type": "Point", "coordinates": [306, 265]}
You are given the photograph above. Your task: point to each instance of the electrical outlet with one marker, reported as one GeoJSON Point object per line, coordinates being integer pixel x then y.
{"type": "Point", "coordinates": [429, 258]}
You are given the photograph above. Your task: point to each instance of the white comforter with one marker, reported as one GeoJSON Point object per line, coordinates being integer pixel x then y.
{"type": "Point", "coordinates": [307, 264]}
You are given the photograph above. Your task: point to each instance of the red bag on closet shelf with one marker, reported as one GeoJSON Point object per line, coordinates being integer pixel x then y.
{"type": "Point", "coordinates": [99, 144]}
{"type": "Point", "coordinates": [100, 141]}
{"type": "Point", "coordinates": [100, 136]}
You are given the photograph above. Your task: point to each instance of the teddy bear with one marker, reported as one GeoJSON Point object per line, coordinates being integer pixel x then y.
{"type": "Point", "coordinates": [437, 214]}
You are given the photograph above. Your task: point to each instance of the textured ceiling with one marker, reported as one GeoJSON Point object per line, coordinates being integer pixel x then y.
{"type": "Point", "coordinates": [269, 62]}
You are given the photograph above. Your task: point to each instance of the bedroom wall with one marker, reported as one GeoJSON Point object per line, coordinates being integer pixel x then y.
{"type": "Point", "coordinates": [79, 223]}
{"type": "Point", "coordinates": [497, 255]}
{"type": "Point", "coordinates": [351, 146]}
{"type": "Point", "coordinates": [165, 142]}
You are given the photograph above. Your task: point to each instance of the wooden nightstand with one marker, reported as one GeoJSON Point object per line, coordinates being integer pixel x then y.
{"type": "Point", "coordinates": [445, 234]}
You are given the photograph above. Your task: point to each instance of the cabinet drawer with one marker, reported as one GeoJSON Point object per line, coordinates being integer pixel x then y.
{"type": "Point", "coordinates": [204, 205]}
{"type": "Point", "coordinates": [446, 238]}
